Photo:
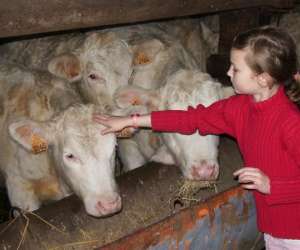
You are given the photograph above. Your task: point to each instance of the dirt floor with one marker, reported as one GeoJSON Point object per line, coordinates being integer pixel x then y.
{"type": "Point", "coordinates": [149, 194]}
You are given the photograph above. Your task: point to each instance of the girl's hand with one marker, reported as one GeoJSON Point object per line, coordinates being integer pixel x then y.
{"type": "Point", "coordinates": [253, 178]}
{"type": "Point", "coordinates": [112, 123]}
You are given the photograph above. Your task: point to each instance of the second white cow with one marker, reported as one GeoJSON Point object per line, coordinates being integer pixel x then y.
{"type": "Point", "coordinates": [196, 155]}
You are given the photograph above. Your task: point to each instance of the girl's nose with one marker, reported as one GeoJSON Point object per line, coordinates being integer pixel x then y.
{"type": "Point", "coordinates": [229, 71]}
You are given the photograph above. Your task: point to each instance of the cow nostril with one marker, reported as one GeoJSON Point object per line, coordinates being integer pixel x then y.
{"type": "Point", "coordinates": [99, 205]}
{"type": "Point", "coordinates": [110, 204]}
{"type": "Point", "coordinates": [204, 171]}
{"type": "Point", "coordinates": [113, 202]}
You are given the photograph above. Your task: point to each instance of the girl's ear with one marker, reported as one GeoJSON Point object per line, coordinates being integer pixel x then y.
{"type": "Point", "coordinates": [265, 80]}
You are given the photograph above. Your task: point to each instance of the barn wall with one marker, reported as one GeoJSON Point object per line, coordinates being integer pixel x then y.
{"type": "Point", "coordinates": [23, 17]}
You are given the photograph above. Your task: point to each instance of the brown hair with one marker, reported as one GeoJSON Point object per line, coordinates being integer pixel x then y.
{"type": "Point", "coordinates": [272, 50]}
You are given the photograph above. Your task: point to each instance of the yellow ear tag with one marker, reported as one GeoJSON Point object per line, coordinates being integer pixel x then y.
{"type": "Point", "coordinates": [38, 144]}
{"type": "Point", "coordinates": [135, 101]}
{"type": "Point", "coordinates": [141, 59]}
{"type": "Point", "coordinates": [125, 133]}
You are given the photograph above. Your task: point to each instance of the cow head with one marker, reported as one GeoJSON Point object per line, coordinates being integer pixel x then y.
{"type": "Point", "coordinates": [84, 158]}
{"type": "Point", "coordinates": [101, 65]}
{"type": "Point", "coordinates": [156, 56]}
{"type": "Point", "coordinates": [195, 154]}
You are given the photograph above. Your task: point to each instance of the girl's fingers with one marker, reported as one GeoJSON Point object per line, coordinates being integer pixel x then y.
{"type": "Point", "coordinates": [249, 186]}
{"type": "Point", "coordinates": [99, 118]}
{"type": "Point", "coordinates": [246, 169]}
{"type": "Point", "coordinates": [249, 175]}
{"type": "Point", "coordinates": [104, 123]}
{"type": "Point", "coordinates": [98, 115]}
{"type": "Point", "coordinates": [247, 179]}
{"type": "Point", "coordinates": [106, 131]}
{"type": "Point", "coordinates": [253, 179]}
{"type": "Point", "coordinates": [238, 172]}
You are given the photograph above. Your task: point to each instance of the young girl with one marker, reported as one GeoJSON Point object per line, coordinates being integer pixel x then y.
{"type": "Point", "coordinates": [264, 118]}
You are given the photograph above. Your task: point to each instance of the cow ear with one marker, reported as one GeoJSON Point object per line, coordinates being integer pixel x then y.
{"type": "Point", "coordinates": [126, 133]}
{"type": "Point", "coordinates": [129, 96]}
{"type": "Point", "coordinates": [146, 51]}
{"type": "Point", "coordinates": [210, 37]}
{"type": "Point", "coordinates": [29, 134]}
{"type": "Point", "coordinates": [66, 66]}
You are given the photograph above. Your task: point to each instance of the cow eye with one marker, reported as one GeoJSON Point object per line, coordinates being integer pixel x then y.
{"type": "Point", "coordinates": [70, 156]}
{"type": "Point", "coordinates": [93, 76]}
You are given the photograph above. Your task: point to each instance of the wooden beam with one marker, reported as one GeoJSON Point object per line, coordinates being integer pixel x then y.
{"type": "Point", "coordinates": [23, 17]}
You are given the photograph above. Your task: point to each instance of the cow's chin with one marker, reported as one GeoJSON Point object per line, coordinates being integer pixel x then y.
{"type": "Point", "coordinates": [103, 208]}
{"type": "Point", "coordinates": [201, 174]}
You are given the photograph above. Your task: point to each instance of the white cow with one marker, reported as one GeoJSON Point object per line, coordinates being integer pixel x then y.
{"type": "Point", "coordinates": [156, 55]}
{"type": "Point", "coordinates": [195, 35]}
{"type": "Point", "coordinates": [97, 61]}
{"type": "Point", "coordinates": [40, 112]}
{"type": "Point", "coordinates": [196, 155]}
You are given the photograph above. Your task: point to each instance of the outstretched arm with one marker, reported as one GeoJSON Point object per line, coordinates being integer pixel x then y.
{"type": "Point", "coordinates": [117, 123]}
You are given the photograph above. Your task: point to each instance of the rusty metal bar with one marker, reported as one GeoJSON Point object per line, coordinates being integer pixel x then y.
{"type": "Point", "coordinates": [227, 221]}
{"type": "Point", "coordinates": [23, 17]}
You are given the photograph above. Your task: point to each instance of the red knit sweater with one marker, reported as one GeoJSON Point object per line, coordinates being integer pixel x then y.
{"type": "Point", "coordinates": [268, 134]}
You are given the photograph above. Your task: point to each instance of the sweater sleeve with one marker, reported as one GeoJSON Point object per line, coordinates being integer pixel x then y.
{"type": "Point", "coordinates": [214, 119]}
{"type": "Point", "coordinates": [287, 190]}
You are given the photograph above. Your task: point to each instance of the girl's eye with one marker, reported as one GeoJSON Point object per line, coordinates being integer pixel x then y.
{"type": "Point", "coordinates": [234, 70]}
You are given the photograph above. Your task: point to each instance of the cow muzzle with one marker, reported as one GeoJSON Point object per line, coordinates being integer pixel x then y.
{"type": "Point", "coordinates": [204, 171]}
{"type": "Point", "coordinates": [104, 206]}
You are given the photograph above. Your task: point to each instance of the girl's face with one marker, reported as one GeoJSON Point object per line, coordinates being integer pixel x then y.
{"type": "Point", "coordinates": [243, 79]}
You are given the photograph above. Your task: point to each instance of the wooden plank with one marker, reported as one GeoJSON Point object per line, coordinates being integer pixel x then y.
{"type": "Point", "coordinates": [23, 17]}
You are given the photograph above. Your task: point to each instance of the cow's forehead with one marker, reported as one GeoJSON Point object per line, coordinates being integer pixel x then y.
{"type": "Point", "coordinates": [97, 47]}
{"type": "Point", "coordinates": [88, 142]}
{"type": "Point", "coordinates": [190, 87]}
{"type": "Point", "coordinates": [75, 118]}
{"type": "Point", "coordinates": [76, 125]}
